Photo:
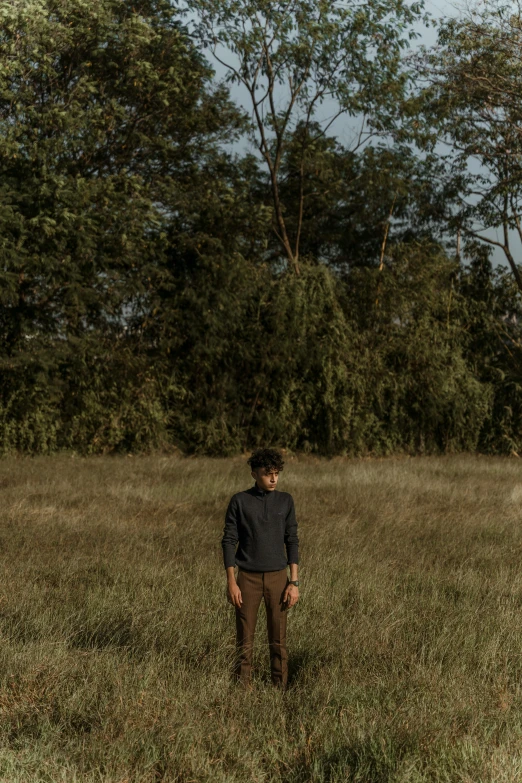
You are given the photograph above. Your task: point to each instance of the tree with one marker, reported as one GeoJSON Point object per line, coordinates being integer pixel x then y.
{"type": "Point", "coordinates": [472, 103]}
{"type": "Point", "coordinates": [106, 111]}
{"type": "Point", "coordinates": [292, 56]}
{"type": "Point", "coordinates": [354, 205]}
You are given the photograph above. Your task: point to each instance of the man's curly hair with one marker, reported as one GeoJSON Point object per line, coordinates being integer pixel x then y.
{"type": "Point", "coordinates": [270, 459]}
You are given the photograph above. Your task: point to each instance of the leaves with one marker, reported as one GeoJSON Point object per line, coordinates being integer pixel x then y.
{"type": "Point", "coordinates": [144, 292]}
{"type": "Point", "coordinates": [472, 100]}
{"type": "Point", "coordinates": [291, 57]}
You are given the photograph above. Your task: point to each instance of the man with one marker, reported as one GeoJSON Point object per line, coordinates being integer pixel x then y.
{"type": "Point", "coordinates": [261, 522]}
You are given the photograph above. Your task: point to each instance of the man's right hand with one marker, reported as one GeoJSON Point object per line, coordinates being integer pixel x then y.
{"type": "Point", "coordinates": [234, 594]}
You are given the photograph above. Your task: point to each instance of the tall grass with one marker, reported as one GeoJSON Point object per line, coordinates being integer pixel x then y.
{"type": "Point", "coordinates": [117, 641]}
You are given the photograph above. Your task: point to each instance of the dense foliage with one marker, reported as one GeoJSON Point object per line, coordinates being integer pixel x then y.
{"type": "Point", "coordinates": [160, 288]}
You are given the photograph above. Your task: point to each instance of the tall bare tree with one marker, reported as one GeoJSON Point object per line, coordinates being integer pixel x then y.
{"type": "Point", "coordinates": [293, 56]}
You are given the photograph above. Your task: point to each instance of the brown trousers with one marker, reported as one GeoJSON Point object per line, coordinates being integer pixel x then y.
{"type": "Point", "coordinates": [254, 586]}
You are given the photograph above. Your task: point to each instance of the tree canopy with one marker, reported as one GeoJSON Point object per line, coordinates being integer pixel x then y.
{"type": "Point", "coordinates": [181, 270]}
{"type": "Point", "coordinates": [292, 57]}
{"type": "Point", "coordinates": [472, 104]}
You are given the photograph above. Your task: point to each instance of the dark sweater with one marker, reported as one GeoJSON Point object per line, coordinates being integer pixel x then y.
{"type": "Point", "coordinates": [262, 523]}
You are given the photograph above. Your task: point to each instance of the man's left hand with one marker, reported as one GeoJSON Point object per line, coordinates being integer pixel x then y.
{"type": "Point", "coordinates": [290, 596]}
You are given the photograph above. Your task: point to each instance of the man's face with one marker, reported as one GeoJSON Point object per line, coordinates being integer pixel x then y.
{"type": "Point", "coordinates": [266, 478]}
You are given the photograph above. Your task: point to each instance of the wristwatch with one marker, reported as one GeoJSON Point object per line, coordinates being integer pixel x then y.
{"type": "Point", "coordinates": [296, 582]}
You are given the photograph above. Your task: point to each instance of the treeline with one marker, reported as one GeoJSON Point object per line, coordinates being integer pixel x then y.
{"type": "Point", "coordinates": [165, 284]}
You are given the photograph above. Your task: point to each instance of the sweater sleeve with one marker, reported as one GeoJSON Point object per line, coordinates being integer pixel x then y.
{"type": "Point", "coordinates": [291, 538]}
{"type": "Point", "coordinates": [230, 535]}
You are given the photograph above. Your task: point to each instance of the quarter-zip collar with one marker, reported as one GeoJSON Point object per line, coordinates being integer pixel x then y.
{"type": "Point", "coordinates": [260, 493]}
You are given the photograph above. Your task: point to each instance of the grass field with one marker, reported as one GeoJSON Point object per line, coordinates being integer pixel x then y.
{"type": "Point", "coordinates": [117, 641]}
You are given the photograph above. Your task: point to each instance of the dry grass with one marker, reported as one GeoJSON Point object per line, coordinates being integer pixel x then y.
{"type": "Point", "coordinates": [116, 639]}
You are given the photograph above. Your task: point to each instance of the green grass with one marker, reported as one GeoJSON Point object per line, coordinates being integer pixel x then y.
{"type": "Point", "coordinates": [117, 641]}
